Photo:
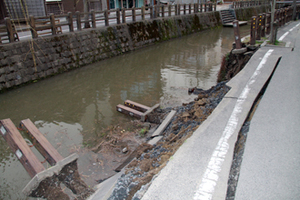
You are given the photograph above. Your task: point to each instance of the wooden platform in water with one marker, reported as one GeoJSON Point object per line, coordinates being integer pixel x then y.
{"type": "Point", "coordinates": [39, 174]}
{"type": "Point", "coordinates": [136, 110]}
{"type": "Point", "coordinates": [21, 149]}
{"type": "Point", "coordinates": [41, 143]}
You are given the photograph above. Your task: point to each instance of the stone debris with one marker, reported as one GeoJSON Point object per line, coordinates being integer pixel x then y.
{"type": "Point", "coordinates": [140, 171]}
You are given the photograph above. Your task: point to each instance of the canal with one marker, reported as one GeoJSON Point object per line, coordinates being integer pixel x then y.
{"type": "Point", "coordinates": [73, 109]}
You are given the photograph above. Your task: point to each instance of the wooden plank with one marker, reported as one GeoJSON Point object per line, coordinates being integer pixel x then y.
{"type": "Point", "coordinates": [129, 111]}
{"type": "Point", "coordinates": [18, 145]}
{"type": "Point", "coordinates": [41, 143]}
{"type": "Point", "coordinates": [145, 114]}
{"type": "Point", "coordinates": [136, 106]}
{"type": "Point", "coordinates": [164, 124]}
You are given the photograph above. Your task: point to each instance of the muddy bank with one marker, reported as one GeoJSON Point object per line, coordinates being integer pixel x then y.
{"type": "Point", "coordinates": [150, 161]}
{"type": "Point", "coordinates": [234, 62]}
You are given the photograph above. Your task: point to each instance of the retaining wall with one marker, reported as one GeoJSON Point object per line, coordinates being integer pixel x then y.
{"type": "Point", "coordinates": [27, 61]}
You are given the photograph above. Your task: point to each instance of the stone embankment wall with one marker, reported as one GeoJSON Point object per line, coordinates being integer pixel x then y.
{"type": "Point", "coordinates": [27, 61]}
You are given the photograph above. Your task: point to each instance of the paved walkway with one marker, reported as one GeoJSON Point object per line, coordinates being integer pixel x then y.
{"type": "Point", "coordinates": [270, 168]}
{"type": "Point", "coordinates": [200, 168]}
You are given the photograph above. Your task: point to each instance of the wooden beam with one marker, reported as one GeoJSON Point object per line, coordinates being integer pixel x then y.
{"type": "Point", "coordinates": [41, 143]}
{"type": "Point", "coordinates": [18, 145]}
{"type": "Point", "coordinates": [136, 106]}
{"type": "Point", "coordinates": [129, 111]}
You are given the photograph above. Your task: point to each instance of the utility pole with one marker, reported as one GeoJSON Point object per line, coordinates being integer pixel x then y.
{"type": "Point", "coordinates": [294, 10]}
{"type": "Point", "coordinates": [86, 16]}
{"type": "Point", "coordinates": [272, 38]}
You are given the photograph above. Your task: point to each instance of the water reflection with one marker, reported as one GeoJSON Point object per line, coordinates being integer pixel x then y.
{"type": "Point", "coordinates": [71, 108]}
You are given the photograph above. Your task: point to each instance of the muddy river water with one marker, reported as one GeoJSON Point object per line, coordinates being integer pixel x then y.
{"type": "Point", "coordinates": [71, 109]}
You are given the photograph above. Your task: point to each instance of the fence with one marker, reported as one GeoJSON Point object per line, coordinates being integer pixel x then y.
{"type": "Point", "coordinates": [261, 24]}
{"type": "Point", "coordinates": [244, 4]}
{"type": "Point", "coordinates": [52, 25]}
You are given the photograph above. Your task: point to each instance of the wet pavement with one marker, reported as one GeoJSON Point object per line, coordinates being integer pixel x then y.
{"type": "Point", "coordinates": [271, 160]}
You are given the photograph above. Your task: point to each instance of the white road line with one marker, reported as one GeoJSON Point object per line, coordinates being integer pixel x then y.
{"type": "Point", "coordinates": [211, 175]}
{"type": "Point", "coordinates": [284, 35]}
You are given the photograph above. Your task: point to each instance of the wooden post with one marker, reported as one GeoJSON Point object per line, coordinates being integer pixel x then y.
{"type": "Point", "coordinates": [268, 25]}
{"type": "Point", "coordinates": [258, 27]}
{"type": "Point", "coordinates": [70, 19]}
{"type": "Point", "coordinates": [52, 22]}
{"type": "Point", "coordinates": [215, 6]}
{"type": "Point", "coordinates": [143, 12]}
{"type": "Point", "coordinates": [201, 7]}
{"type": "Point", "coordinates": [274, 32]}
{"type": "Point", "coordinates": [123, 15]}
{"type": "Point", "coordinates": [170, 10]}
{"type": "Point", "coordinates": [263, 25]}
{"type": "Point", "coordinates": [93, 16]}
{"type": "Point", "coordinates": [32, 27]}
{"type": "Point", "coordinates": [162, 11]}
{"type": "Point", "coordinates": [190, 8]}
{"type": "Point", "coordinates": [20, 148]}
{"type": "Point", "coordinates": [253, 31]}
{"type": "Point", "coordinates": [176, 9]}
{"type": "Point", "coordinates": [157, 11]}
{"type": "Point", "coordinates": [237, 37]}
{"type": "Point", "coordinates": [9, 28]}
{"type": "Point", "coordinates": [285, 16]}
{"type": "Point", "coordinates": [118, 14]}
{"type": "Point", "coordinates": [205, 7]}
{"type": "Point", "coordinates": [184, 9]}
{"type": "Point", "coordinates": [106, 18]}
{"type": "Point", "coordinates": [78, 20]}
{"type": "Point", "coordinates": [154, 11]}
{"type": "Point", "coordinates": [133, 14]}
{"type": "Point", "coordinates": [41, 143]}
{"type": "Point", "coordinates": [151, 12]}
{"type": "Point", "coordinates": [179, 9]}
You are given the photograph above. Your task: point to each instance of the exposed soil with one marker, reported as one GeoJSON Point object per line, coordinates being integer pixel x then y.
{"type": "Point", "coordinates": [130, 146]}
{"type": "Point", "coordinates": [145, 166]}
{"type": "Point", "coordinates": [50, 188]}
{"type": "Point", "coordinates": [149, 162]}
{"type": "Point", "coordinates": [233, 63]}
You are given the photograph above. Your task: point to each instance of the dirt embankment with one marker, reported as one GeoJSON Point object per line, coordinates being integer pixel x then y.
{"type": "Point", "coordinates": [234, 62]}
{"type": "Point", "coordinates": [149, 160]}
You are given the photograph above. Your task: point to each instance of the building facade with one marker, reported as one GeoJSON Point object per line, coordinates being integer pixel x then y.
{"type": "Point", "coordinates": [17, 9]}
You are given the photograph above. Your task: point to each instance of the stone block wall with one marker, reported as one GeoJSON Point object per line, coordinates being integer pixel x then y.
{"type": "Point", "coordinates": [244, 14]}
{"type": "Point", "coordinates": [27, 61]}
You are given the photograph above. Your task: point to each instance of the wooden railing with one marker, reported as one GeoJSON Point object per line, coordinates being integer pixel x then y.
{"type": "Point", "coordinates": [52, 25]}
{"type": "Point", "coordinates": [244, 4]}
{"type": "Point", "coordinates": [261, 24]}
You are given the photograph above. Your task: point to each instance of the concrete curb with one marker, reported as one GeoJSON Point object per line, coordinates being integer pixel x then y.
{"type": "Point", "coordinates": [38, 178]}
